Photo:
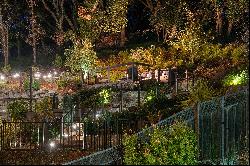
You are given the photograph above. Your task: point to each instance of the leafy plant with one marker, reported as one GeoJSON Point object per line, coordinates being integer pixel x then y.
{"type": "Point", "coordinates": [201, 91]}
{"type": "Point", "coordinates": [81, 57]}
{"type": "Point", "coordinates": [58, 62]}
{"type": "Point", "coordinates": [176, 145]}
{"type": "Point", "coordinates": [6, 69]}
{"type": "Point", "coordinates": [44, 108]}
{"type": "Point", "coordinates": [35, 84]}
{"type": "Point", "coordinates": [18, 109]}
{"type": "Point", "coordinates": [236, 78]}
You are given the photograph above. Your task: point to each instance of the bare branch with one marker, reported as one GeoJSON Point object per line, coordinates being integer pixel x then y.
{"type": "Point", "coordinates": [49, 10]}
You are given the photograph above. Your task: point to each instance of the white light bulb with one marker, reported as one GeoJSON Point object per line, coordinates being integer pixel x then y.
{"type": "Point", "coordinates": [52, 144]}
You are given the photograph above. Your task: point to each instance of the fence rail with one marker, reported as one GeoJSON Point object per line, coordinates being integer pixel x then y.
{"type": "Point", "coordinates": [220, 130]}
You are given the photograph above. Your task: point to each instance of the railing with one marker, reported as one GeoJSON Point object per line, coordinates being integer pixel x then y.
{"type": "Point", "coordinates": [222, 124]}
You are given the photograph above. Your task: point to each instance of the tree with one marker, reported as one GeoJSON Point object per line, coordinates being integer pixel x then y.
{"type": "Point", "coordinates": [35, 32]}
{"type": "Point", "coordinates": [235, 13]}
{"type": "Point", "coordinates": [4, 36]}
{"type": "Point", "coordinates": [98, 18]}
{"type": "Point", "coordinates": [170, 17]}
{"type": "Point", "coordinates": [81, 57]}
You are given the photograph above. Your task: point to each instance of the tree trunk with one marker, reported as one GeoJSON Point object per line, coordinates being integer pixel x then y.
{"type": "Point", "coordinates": [218, 20]}
{"type": "Point", "coordinates": [5, 41]}
{"type": "Point", "coordinates": [33, 31]}
{"type": "Point", "coordinates": [18, 47]}
{"type": "Point", "coordinates": [230, 27]}
{"type": "Point", "coordinates": [123, 37]}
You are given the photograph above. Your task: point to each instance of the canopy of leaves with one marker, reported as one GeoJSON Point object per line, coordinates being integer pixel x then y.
{"type": "Point", "coordinates": [81, 57]}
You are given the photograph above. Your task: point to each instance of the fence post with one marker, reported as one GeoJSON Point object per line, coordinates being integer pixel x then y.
{"type": "Point", "coordinates": [222, 128]}
{"type": "Point", "coordinates": [197, 123]}
{"type": "Point", "coordinates": [247, 116]}
{"type": "Point", "coordinates": [121, 98]}
{"type": "Point", "coordinates": [186, 79]}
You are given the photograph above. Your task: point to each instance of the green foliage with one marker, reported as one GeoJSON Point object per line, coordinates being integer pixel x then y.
{"type": "Point", "coordinates": [99, 21]}
{"type": "Point", "coordinates": [58, 62]}
{"type": "Point", "coordinates": [105, 96]}
{"type": "Point", "coordinates": [67, 79]}
{"type": "Point", "coordinates": [169, 17]}
{"type": "Point", "coordinates": [189, 42]}
{"type": "Point", "coordinates": [114, 19]}
{"type": "Point", "coordinates": [81, 57]}
{"type": "Point", "coordinates": [176, 145]}
{"type": "Point", "coordinates": [236, 78]}
{"type": "Point", "coordinates": [44, 108]}
{"type": "Point", "coordinates": [200, 92]}
{"type": "Point", "coordinates": [18, 109]}
{"type": "Point", "coordinates": [120, 58]}
{"type": "Point", "coordinates": [6, 69]}
{"type": "Point", "coordinates": [154, 56]}
{"type": "Point", "coordinates": [35, 84]}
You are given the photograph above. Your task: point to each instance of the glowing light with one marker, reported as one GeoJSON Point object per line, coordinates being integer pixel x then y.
{"type": "Point", "coordinates": [52, 144]}
{"type": "Point", "coordinates": [44, 77]}
{"type": "Point", "coordinates": [97, 115]}
{"type": "Point", "coordinates": [66, 135]}
{"type": "Point", "coordinates": [16, 75]}
{"type": "Point", "coordinates": [74, 126]}
{"type": "Point", "coordinates": [49, 75]}
{"type": "Point", "coordinates": [37, 75]}
{"type": "Point", "coordinates": [2, 77]}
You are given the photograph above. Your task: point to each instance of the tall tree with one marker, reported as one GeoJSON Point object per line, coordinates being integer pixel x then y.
{"type": "Point", "coordinates": [4, 35]}
{"type": "Point", "coordinates": [235, 13]}
{"type": "Point", "coordinates": [104, 17]}
{"type": "Point", "coordinates": [35, 32]}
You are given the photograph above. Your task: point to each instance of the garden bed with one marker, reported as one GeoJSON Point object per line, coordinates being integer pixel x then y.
{"type": "Point", "coordinates": [30, 157]}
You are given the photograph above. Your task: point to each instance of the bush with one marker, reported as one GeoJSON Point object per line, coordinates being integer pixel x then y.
{"type": "Point", "coordinates": [44, 108]}
{"type": "Point", "coordinates": [35, 84]}
{"type": "Point", "coordinates": [18, 109]}
{"type": "Point", "coordinates": [176, 145]}
{"type": "Point", "coordinates": [236, 78]}
{"type": "Point", "coordinates": [201, 91]}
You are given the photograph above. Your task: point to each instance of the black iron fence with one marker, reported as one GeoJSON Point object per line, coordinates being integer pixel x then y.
{"type": "Point", "coordinates": [90, 135]}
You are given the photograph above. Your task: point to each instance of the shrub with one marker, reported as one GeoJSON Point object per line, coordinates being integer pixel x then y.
{"type": "Point", "coordinates": [236, 78]}
{"type": "Point", "coordinates": [44, 108]}
{"type": "Point", "coordinates": [18, 109]}
{"type": "Point", "coordinates": [176, 145]}
{"type": "Point", "coordinates": [35, 84]}
{"type": "Point", "coordinates": [201, 91]}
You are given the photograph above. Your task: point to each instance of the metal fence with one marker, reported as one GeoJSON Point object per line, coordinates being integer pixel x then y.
{"type": "Point", "coordinates": [223, 127]}
{"type": "Point", "coordinates": [222, 131]}
{"type": "Point", "coordinates": [113, 155]}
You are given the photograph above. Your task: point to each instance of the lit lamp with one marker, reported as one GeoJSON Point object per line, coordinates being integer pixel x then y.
{"type": "Point", "coordinates": [2, 77]}
{"type": "Point", "coordinates": [16, 75]}
{"type": "Point", "coordinates": [52, 145]}
{"type": "Point", "coordinates": [37, 75]}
